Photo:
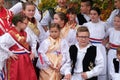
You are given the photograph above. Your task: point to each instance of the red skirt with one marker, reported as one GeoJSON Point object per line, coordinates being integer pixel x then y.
{"type": "Point", "coordinates": [21, 69]}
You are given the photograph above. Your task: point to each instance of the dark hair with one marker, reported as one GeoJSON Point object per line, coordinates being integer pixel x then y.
{"type": "Point", "coordinates": [18, 18]}
{"type": "Point", "coordinates": [88, 2]}
{"type": "Point", "coordinates": [118, 15]}
{"type": "Point", "coordinates": [96, 9]}
{"type": "Point", "coordinates": [71, 11]}
{"type": "Point", "coordinates": [55, 25]}
{"type": "Point", "coordinates": [24, 7]}
{"type": "Point", "coordinates": [82, 29]}
{"type": "Point", "coordinates": [62, 16]}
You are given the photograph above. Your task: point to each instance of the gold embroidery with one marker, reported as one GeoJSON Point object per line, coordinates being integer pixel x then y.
{"type": "Point", "coordinates": [90, 67]}
{"type": "Point", "coordinates": [34, 28]}
{"type": "Point", "coordinates": [64, 10]}
{"type": "Point", "coordinates": [20, 39]}
{"type": "Point", "coordinates": [64, 31]}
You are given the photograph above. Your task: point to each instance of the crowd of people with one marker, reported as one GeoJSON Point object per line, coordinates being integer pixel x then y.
{"type": "Point", "coordinates": [61, 44]}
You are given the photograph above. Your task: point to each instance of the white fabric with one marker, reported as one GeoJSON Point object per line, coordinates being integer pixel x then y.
{"type": "Point", "coordinates": [114, 36]}
{"type": "Point", "coordinates": [65, 69]}
{"type": "Point", "coordinates": [99, 61]}
{"type": "Point", "coordinates": [86, 17]}
{"type": "Point", "coordinates": [97, 30]}
{"type": "Point", "coordinates": [46, 19]}
{"type": "Point", "coordinates": [110, 20]}
{"type": "Point", "coordinates": [71, 37]}
{"type": "Point", "coordinates": [18, 8]}
{"type": "Point", "coordinates": [114, 76]}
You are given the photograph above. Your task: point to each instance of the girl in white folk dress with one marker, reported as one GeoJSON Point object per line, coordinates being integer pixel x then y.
{"type": "Point", "coordinates": [97, 29]}
{"type": "Point", "coordinates": [114, 40]}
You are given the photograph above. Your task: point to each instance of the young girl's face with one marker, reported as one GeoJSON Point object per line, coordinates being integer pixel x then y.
{"type": "Point", "coordinates": [29, 11]}
{"type": "Point", "coordinates": [94, 16]}
{"type": "Point", "coordinates": [117, 23]}
{"type": "Point", "coordinates": [72, 17]}
{"type": "Point", "coordinates": [23, 25]}
{"type": "Point", "coordinates": [54, 32]}
{"type": "Point", "coordinates": [58, 20]}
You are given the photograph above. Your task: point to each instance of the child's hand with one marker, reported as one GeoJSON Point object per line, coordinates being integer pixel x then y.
{"type": "Point", "coordinates": [108, 46]}
{"type": "Point", "coordinates": [14, 57]}
{"type": "Point", "coordinates": [51, 66]}
{"type": "Point", "coordinates": [67, 77]}
{"type": "Point", "coordinates": [32, 56]}
{"type": "Point", "coordinates": [84, 75]}
{"type": "Point", "coordinates": [58, 67]}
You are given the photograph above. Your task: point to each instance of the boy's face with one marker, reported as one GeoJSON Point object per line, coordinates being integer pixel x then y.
{"type": "Point", "coordinates": [29, 11]}
{"type": "Point", "coordinates": [62, 3]}
{"type": "Point", "coordinates": [83, 38]}
{"type": "Point", "coordinates": [23, 24]}
{"type": "Point", "coordinates": [117, 3]}
{"type": "Point", "coordinates": [84, 8]}
{"type": "Point", "coordinates": [117, 23]}
{"type": "Point", "coordinates": [54, 33]}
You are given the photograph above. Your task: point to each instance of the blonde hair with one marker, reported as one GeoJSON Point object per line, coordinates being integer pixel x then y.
{"type": "Point", "coordinates": [82, 29]}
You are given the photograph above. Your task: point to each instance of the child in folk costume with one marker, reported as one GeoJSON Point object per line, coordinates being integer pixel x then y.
{"type": "Point", "coordinates": [115, 66]}
{"type": "Point", "coordinates": [17, 8]}
{"type": "Point", "coordinates": [55, 60]}
{"type": "Point", "coordinates": [66, 30]}
{"type": "Point", "coordinates": [114, 39]}
{"type": "Point", "coordinates": [15, 45]}
{"type": "Point", "coordinates": [97, 29]}
{"type": "Point", "coordinates": [87, 60]}
{"type": "Point", "coordinates": [34, 28]}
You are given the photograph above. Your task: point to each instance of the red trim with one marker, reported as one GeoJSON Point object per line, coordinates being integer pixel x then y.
{"type": "Point", "coordinates": [113, 45]}
{"type": "Point", "coordinates": [13, 32]}
{"type": "Point", "coordinates": [41, 59]}
{"type": "Point", "coordinates": [96, 39]}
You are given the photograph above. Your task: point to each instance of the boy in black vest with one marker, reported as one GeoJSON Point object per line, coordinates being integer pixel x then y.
{"type": "Point", "coordinates": [83, 16]}
{"type": "Point", "coordinates": [115, 67]}
{"type": "Point", "coordinates": [87, 60]}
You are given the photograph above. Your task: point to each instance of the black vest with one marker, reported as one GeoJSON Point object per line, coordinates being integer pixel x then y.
{"type": "Point", "coordinates": [88, 61]}
{"type": "Point", "coordinates": [81, 19]}
{"type": "Point", "coordinates": [116, 65]}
